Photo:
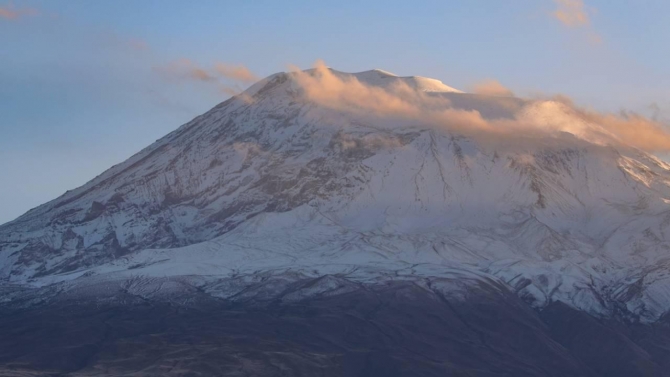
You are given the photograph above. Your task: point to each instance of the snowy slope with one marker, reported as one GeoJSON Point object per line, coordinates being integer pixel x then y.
{"type": "Point", "coordinates": [271, 182]}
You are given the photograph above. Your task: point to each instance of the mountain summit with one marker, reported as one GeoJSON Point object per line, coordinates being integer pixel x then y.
{"type": "Point", "coordinates": [279, 179]}
{"type": "Point", "coordinates": [395, 206]}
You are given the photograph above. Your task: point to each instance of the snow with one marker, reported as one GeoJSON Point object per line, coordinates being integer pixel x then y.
{"type": "Point", "coordinates": [285, 188]}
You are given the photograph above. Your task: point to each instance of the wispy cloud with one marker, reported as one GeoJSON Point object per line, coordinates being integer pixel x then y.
{"type": "Point", "coordinates": [184, 69]}
{"type": "Point", "coordinates": [226, 77]}
{"type": "Point", "coordinates": [575, 14]}
{"type": "Point", "coordinates": [9, 12]}
{"type": "Point", "coordinates": [235, 72]}
{"type": "Point", "coordinates": [572, 13]}
{"type": "Point", "coordinates": [137, 44]}
{"type": "Point", "coordinates": [492, 88]}
{"type": "Point", "coordinates": [535, 119]}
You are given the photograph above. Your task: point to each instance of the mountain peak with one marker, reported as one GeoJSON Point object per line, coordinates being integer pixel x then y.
{"type": "Point", "coordinates": [383, 72]}
{"type": "Point", "coordinates": [379, 77]}
{"type": "Point", "coordinates": [283, 183]}
{"type": "Point", "coordinates": [374, 78]}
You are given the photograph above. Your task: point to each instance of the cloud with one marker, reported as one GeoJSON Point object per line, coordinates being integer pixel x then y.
{"type": "Point", "coordinates": [235, 91]}
{"type": "Point", "coordinates": [572, 13]}
{"type": "Point", "coordinates": [561, 114]}
{"type": "Point", "coordinates": [8, 12]}
{"type": "Point", "coordinates": [492, 88]}
{"type": "Point", "coordinates": [632, 129]}
{"type": "Point", "coordinates": [533, 119]}
{"type": "Point", "coordinates": [184, 69]}
{"type": "Point", "coordinates": [595, 38]}
{"type": "Point", "coordinates": [321, 85]}
{"type": "Point", "coordinates": [137, 44]}
{"type": "Point", "coordinates": [235, 72]}
{"type": "Point", "coordinates": [187, 69]}
{"type": "Point", "coordinates": [220, 76]}
{"type": "Point", "coordinates": [575, 14]}
{"type": "Point", "coordinates": [347, 141]}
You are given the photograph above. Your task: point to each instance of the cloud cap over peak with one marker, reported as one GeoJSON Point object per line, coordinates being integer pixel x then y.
{"type": "Point", "coordinates": [492, 88]}
{"type": "Point", "coordinates": [540, 119]}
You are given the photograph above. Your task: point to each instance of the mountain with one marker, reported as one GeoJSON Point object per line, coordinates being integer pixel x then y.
{"type": "Point", "coordinates": [282, 198]}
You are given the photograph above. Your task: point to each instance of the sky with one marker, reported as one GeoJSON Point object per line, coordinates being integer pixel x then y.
{"type": "Point", "coordinates": [86, 84]}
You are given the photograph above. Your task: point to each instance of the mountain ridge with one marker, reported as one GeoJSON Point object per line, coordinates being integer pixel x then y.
{"type": "Point", "coordinates": [561, 218]}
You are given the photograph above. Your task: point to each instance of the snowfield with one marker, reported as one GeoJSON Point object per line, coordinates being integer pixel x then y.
{"type": "Point", "coordinates": [269, 184]}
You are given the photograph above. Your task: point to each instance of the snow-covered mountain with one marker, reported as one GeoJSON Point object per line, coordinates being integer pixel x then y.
{"type": "Point", "coordinates": [275, 183]}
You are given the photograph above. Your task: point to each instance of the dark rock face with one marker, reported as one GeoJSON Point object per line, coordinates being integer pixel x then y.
{"type": "Point", "coordinates": [394, 329]}
{"type": "Point", "coordinates": [606, 347]}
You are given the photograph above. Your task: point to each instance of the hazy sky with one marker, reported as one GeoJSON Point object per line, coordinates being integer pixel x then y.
{"type": "Point", "coordinates": [85, 84]}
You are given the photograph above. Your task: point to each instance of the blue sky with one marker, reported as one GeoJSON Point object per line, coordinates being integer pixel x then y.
{"type": "Point", "coordinates": [83, 83]}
